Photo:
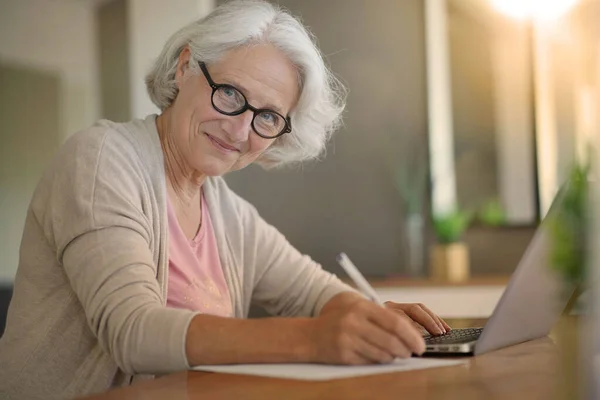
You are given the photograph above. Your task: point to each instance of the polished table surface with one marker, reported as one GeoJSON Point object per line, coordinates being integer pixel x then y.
{"type": "Point", "coordinates": [525, 371]}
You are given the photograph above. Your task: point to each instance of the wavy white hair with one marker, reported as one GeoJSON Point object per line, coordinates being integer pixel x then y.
{"type": "Point", "coordinates": [245, 22]}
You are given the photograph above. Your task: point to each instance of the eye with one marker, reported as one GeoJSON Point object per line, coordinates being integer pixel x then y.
{"type": "Point", "coordinates": [229, 92]}
{"type": "Point", "coordinates": [268, 117]}
{"type": "Point", "coordinates": [228, 99]}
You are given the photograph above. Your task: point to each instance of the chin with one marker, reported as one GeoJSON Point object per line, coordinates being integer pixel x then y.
{"type": "Point", "coordinates": [213, 168]}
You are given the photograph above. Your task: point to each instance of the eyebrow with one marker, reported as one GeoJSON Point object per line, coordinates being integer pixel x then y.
{"type": "Point", "coordinates": [245, 91]}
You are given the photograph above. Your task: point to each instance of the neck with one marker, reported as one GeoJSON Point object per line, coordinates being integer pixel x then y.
{"type": "Point", "coordinates": [183, 182]}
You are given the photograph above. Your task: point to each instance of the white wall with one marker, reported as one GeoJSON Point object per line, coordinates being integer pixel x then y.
{"type": "Point", "coordinates": [514, 121]}
{"type": "Point", "coordinates": [150, 24]}
{"type": "Point", "coordinates": [58, 36]}
{"type": "Point", "coordinates": [439, 102]}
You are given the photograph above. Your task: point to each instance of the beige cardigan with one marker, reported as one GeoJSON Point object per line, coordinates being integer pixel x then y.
{"type": "Point", "coordinates": [88, 311]}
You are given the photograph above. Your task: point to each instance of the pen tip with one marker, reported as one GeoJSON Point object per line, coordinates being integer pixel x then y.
{"type": "Point", "coordinates": [340, 257]}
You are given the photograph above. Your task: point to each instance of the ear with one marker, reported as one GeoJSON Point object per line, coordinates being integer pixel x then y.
{"type": "Point", "coordinates": [182, 66]}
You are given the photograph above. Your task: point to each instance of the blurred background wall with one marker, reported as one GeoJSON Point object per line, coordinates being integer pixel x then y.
{"type": "Point", "coordinates": [349, 201]}
{"type": "Point", "coordinates": [87, 59]}
{"type": "Point", "coordinates": [48, 90]}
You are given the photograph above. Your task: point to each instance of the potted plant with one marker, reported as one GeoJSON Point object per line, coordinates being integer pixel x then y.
{"type": "Point", "coordinates": [568, 229]}
{"type": "Point", "coordinates": [410, 174]}
{"type": "Point", "coordinates": [492, 214]}
{"type": "Point", "coordinates": [568, 226]}
{"type": "Point", "coordinates": [412, 190]}
{"type": "Point", "coordinates": [449, 255]}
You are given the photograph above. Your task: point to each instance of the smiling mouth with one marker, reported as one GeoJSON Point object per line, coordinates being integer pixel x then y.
{"type": "Point", "coordinates": [222, 145]}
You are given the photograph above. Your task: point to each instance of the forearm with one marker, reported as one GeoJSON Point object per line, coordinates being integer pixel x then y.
{"type": "Point", "coordinates": [218, 340]}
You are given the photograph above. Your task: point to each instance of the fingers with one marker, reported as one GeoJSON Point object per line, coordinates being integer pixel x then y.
{"type": "Point", "coordinates": [440, 321]}
{"type": "Point", "coordinates": [448, 327]}
{"type": "Point", "coordinates": [386, 342]}
{"type": "Point", "coordinates": [399, 326]}
{"type": "Point", "coordinates": [361, 341]}
{"type": "Point", "coordinates": [429, 322]}
{"type": "Point", "coordinates": [356, 352]}
{"type": "Point", "coordinates": [374, 354]}
{"type": "Point", "coordinates": [366, 333]}
{"type": "Point", "coordinates": [411, 337]}
{"type": "Point", "coordinates": [423, 315]}
{"type": "Point", "coordinates": [417, 325]}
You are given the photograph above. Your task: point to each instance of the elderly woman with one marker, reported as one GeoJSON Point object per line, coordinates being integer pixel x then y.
{"type": "Point", "coordinates": [137, 259]}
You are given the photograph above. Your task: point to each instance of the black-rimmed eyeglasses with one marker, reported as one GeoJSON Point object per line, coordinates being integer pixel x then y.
{"type": "Point", "coordinates": [228, 100]}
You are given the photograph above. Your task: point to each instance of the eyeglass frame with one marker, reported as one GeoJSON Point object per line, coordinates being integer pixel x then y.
{"type": "Point", "coordinates": [216, 86]}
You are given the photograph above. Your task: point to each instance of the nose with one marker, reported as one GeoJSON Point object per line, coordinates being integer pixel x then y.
{"type": "Point", "coordinates": [239, 126]}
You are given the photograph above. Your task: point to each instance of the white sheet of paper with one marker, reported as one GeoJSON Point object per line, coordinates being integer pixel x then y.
{"type": "Point", "coordinates": [319, 372]}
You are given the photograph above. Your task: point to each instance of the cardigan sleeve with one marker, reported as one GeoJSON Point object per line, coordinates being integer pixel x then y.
{"type": "Point", "coordinates": [102, 233]}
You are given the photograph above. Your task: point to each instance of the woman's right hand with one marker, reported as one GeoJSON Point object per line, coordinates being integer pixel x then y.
{"type": "Point", "coordinates": [357, 331]}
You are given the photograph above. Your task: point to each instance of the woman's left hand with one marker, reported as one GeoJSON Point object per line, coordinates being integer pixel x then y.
{"type": "Point", "coordinates": [422, 316]}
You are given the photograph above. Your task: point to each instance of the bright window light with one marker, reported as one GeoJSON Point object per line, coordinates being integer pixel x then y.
{"type": "Point", "coordinates": [537, 9]}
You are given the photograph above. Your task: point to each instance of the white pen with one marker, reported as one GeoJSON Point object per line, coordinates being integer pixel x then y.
{"type": "Point", "coordinates": [357, 278]}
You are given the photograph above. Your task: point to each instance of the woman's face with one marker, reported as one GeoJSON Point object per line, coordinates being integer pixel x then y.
{"type": "Point", "coordinates": [211, 143]}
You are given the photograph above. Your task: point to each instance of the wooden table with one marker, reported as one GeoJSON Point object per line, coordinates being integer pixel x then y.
{"type": "Point", "coordinates": [525, 371]}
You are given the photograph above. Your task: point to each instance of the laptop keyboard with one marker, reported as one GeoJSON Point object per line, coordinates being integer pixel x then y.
{"type": "Point", "coordinates": [455, 336]}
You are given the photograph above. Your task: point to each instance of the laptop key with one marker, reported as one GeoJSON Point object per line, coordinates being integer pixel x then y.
{"type": "Point", "coordinates": [455, 336]}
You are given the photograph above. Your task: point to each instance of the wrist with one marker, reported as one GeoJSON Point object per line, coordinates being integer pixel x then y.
{"type": "Point", "coordinates": [341, 300]}
{"type": "Point", "coordinates": [307, 347]}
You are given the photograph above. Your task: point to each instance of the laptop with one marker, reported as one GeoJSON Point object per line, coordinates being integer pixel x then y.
{"type": "Point", "coordinates": [528, 309]}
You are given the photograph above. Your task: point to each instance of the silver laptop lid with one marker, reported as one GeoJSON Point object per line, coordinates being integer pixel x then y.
{"type": "Point", "coordinates": [533, 300]}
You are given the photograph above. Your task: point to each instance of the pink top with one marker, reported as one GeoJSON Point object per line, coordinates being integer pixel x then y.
{"type": "Point", "coordinates": [196, 280]}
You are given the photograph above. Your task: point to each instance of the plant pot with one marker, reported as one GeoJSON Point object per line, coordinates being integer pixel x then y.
{"type": "Point", "coordinates": [450, 262]}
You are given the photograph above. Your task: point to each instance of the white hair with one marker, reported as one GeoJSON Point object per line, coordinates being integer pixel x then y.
{"type": "Point", "coordinates": [245, 22]}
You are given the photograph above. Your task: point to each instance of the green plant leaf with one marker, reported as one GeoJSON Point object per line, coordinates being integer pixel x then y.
{"type": "Point", "coordinates": [567, 227]}
{"type": "Point", "coordinates": [492, 213]}
{"type": "Point", "coordinates": [450, 227]}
